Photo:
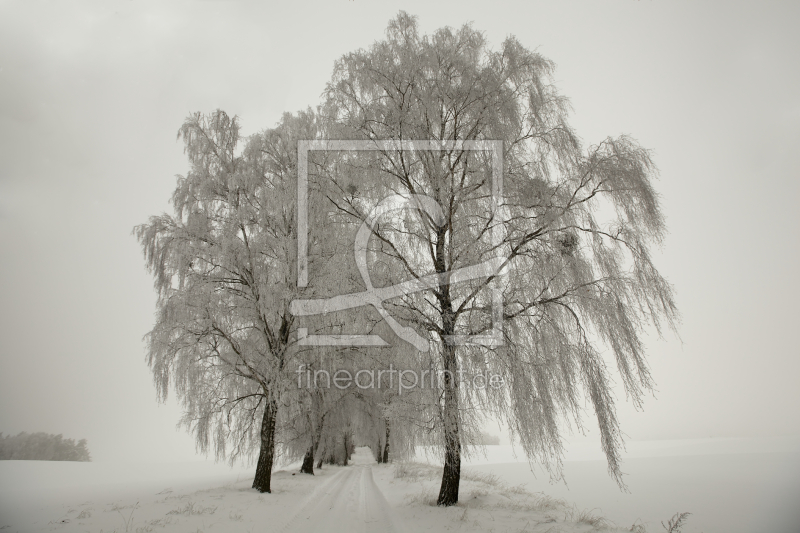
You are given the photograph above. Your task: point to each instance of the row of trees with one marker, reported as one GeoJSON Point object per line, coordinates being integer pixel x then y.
{"type": "Point", "coordinates": [42, 447]}
{"type": "Point", "coordinates": [567, 232]}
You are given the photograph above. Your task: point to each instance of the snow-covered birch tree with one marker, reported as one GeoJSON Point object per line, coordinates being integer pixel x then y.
{"type": "Point", "coordinates": [577, 225]}
{"type": "Point", "coordinates": [225, 270]}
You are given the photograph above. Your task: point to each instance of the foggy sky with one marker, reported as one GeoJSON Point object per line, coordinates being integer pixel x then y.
{"type": "Point", "coordinates": [92, 95]}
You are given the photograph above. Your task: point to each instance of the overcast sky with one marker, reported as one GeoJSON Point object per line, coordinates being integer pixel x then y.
{"type": "Point", "coordinates": [92, 96]}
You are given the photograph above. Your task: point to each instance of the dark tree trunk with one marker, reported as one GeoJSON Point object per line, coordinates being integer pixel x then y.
{"type": "Point", "coordinates": [377, 452]}
{"type": "Point", "coordinates": [451, 475]}
{"type": "Point", "coordinates": [308, 462]}
{"type": "Point", "coordinates": [330, 451]}
{"type": "Point", "coordinates": [321, 455]}
{"type": "Point", "coordinates": [346, 449]}
{"type": "Point", "coordinates": [267, 455]}
{"type": "Point", "coordinates": [386, 444]}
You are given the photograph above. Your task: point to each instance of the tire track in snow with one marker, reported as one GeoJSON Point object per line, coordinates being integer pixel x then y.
{"type": "Point", "coordinates": [377, 513]}
{"type": "Point", "coordinates": [321, 502]}
{"type": "Point", "coordinates": [350, 502]}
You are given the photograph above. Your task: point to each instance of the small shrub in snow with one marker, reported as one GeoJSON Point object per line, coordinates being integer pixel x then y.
{"type": "Point", "coordinates": [675, 523]}
{"type": "Point", "coordinates": [588, 518]}
{"type": "Point", "coordinates": [192, 509]}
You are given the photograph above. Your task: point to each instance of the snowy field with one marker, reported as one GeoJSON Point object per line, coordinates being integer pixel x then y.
{"type": "Point", "coordinates": [729, 486]}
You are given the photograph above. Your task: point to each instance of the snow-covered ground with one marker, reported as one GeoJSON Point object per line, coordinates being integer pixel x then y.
{"type": "Point", "coordinates": [362, 497]}
{"type": "Point", "coordinates": [728, 485]}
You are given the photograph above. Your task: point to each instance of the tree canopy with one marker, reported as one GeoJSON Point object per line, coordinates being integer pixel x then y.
{"type": "Point", "coordinates": [223, 268]}
{"type": "Point", "coordinates": [526, 256]}
{"type": "Point", "coordinates": [576, 226]}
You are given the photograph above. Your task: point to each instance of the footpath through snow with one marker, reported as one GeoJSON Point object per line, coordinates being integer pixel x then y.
{"type": "Point", "coordinates": [349, 502]}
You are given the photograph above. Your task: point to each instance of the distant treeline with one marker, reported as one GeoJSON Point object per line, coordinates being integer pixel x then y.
{"type": "Point", "coordinates": [489, 440]}
{"type": "Point", "coordinates": [42, 447]}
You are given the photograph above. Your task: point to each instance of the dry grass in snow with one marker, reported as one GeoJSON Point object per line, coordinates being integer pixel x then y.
{"type": "Point", "coordinates": [486, 504]}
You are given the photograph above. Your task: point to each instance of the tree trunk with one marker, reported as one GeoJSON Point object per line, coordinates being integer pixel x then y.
{"type": "Point", "coordinates": [346, 449]}
{"type": "Point", "coordinates": [308, 462]}
{"type": "Point", "coordinates": [316, 434]}
{"type": "Point", "coordinates": [451, 475]}
{"type": "Point", "coordinates": [330, 451]}
{"type": "Point", "coordinates": [321, 455]}
{"type": "Point", "coordinates": [386, 445]}
{"type": "Point", "coordinates": [378, 453]}
{"type": "Point", "coordinates": [261, 482]}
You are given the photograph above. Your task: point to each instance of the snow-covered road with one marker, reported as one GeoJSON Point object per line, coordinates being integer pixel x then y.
{"type": "Point", "coordinates": [348, 502]}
